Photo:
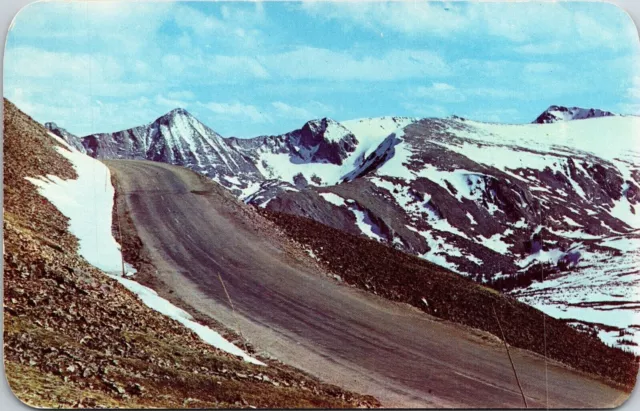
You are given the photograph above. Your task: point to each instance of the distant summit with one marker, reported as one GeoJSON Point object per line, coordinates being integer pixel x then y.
{"type": "Point", "coordinates": [555, 114]}
{"type": "Point", "coordinates": [176, 137]}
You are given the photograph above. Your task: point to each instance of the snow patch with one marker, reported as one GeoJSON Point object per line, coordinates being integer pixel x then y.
{"type": "Point", "coordinates": [88, 203]}
{"type": "Point", "coordinates": [334, 199]}
{"type": "Point", "coordinates": [152, 300]}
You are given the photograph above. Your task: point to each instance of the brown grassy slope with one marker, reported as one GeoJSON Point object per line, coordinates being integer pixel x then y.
{"type": "Point", "coordinates": [402, 277]}
{"type": "Point", "coordinates": [75, 337]}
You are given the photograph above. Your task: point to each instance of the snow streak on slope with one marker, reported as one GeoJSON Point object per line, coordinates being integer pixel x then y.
{"type": "Point", "coordinates": [363, 221]}
{"type": "Point", "coordinates": [154, 301]}
{"type": "Point", "coordinates": [88, 203]}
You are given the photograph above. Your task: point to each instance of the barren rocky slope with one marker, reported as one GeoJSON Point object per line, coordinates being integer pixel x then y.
{"type": "Point", "coordinates": [74, 337]}
{"type": "Point", "coordinates": [401, 277]}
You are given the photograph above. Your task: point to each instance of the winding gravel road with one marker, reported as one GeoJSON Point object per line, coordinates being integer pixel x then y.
{"type": "Point", "coordinates": [290, 310]}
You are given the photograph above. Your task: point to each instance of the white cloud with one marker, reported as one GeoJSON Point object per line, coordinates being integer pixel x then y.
{"type": "Point", "coordinates": [318, 63]}
{"type": "Point", "coordinates": [313, 110]}
{"type": "Point", "coordinates": [633, 92]}
{"type": "Point", "coordinates": [447, 93]}
{"type": "Point", "coordinates": [578, 33]}
{"type": "Point", "coordinates": [286, 110]}
{"type": "Point", "coordinates": [507, 115]}
{"type": "Point", "coordinates": [239, 24]}
{"type": "Point", "coordinates": [412, 18]}
{"type": "Point", "coordinates": [535, 27]}
{"type": "Point", "coordinates": [540, 68]}
{"type": "Point", "coordinates": [426, 110]}
{"type": "Point", "coordinates": [94, 74]}
{"type": "Point", "coordinates": [305, 63]}
{"type": "Point", "coordinates": [629, 108]}
{"type": "Point", "coordinates": [199, 68]}
{"type": "Point", "coordinates": [181, 95]}
{"type": "Point", "coordinates": [31, 62]}
{"type": "Point", "coordinates": [237, 111]}
{"type": "Point", "coordinates": [167, 101]}
{"type": "Point", "coordinates": [442, 92]}
{"type": "Point", "coordinates": [125, 27]}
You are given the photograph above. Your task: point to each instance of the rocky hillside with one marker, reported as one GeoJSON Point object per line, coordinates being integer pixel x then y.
{"type": "Point", "coordinates": [75, 337]}
{"type": "Point", "coordinates": [506, 205]}
{"type": "Point", "coordinates": [398, 276]}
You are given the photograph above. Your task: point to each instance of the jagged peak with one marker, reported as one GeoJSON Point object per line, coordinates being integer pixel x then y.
{"type": "Point", "coordinates": [323, 122]}
{"type": "Point", "coordinates": [179, 111]}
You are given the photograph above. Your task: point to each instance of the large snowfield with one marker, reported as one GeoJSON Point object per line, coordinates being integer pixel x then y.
{"type": "Point", "coordinates": [88, 203]}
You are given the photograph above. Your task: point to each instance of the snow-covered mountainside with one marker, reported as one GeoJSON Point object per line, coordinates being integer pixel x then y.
{"type": "Point", "coordinates": [558, 113]}
{"type": "Point", "coordinates": [293, 161]}
{"type": "Point", "coordinates": [507, 205]}
{"type": "Point", "coordinates": [321, 152]}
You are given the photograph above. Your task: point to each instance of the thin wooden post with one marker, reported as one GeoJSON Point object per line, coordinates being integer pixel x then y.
{"type": "Point", "coordinates": [506, 346]}
{"type": "Point", "coordinates": [233, 310]}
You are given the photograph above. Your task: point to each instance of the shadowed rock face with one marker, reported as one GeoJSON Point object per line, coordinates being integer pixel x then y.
{"type": "Point", "coordinates": [326, 141]}
{"type": "Point", "coordinates": [71, 139]}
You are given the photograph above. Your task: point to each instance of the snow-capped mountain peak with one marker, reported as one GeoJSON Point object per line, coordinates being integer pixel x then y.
{"type": "Point", "coordinates": [324, 140]}
{"type": "Point", "coordinates": [560, 113]}
{"type": "Point", "coordinates": [176, 137]}
{"type": "Point", "coordinates": [176, 114]}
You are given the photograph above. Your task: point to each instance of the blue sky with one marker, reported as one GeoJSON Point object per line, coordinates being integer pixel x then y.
{"type": "Point", "coordinates": [247, 69]}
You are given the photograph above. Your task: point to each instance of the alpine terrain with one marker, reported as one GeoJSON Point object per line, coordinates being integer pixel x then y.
{"type": "Point", "coordinates": [546, 211]}
{"type": "Point", "coordinates": [367, 254]}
